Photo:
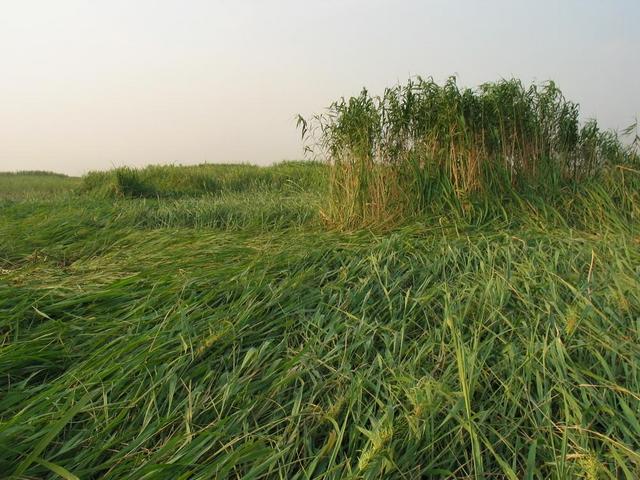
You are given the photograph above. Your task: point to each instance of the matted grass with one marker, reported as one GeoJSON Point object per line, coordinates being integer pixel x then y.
{"type": "Point", "coordinates": [234, 336]}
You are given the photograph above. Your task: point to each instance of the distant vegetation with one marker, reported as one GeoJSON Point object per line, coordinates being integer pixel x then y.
{"type": "Point", "coordinates": [174, 181]}
{"type": "Point", "coordinates": [37, 173]}
{"type": "Point", "coordinates": [238, 322]}
{"type": "Point", "coordinates": [423, 147]}
{"type": "Point", "coordinates": [34, 184]}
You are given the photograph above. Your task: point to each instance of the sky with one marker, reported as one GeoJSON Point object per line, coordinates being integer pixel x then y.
{"type": "Point", "coordinates": [87, 85]}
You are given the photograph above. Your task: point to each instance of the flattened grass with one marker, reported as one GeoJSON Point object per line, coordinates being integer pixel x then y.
{"type": "Point", "coordinates": [162, 347]}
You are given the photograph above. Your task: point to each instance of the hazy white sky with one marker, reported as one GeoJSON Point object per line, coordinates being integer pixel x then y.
{"type": "Point", "coordinates": [94, 84]}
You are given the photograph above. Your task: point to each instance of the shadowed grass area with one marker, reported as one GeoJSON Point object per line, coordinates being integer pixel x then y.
{"type": "Point", "coordinates": [232, 335]}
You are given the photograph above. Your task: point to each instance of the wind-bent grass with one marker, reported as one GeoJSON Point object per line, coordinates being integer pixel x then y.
{"type": "Point", "coordinates": [231, 335]}
{"type": "Point", "coordinates": [201, 356]}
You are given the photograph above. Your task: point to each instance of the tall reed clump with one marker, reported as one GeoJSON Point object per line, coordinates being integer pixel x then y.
{"type": "Point", "coordinates": [422, 146]}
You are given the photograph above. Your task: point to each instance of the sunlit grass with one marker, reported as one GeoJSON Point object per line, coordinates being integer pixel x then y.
{"type": "Point", "coordinates": [424, 147]}
{"type": "Point", "coordinates": [231, 334]}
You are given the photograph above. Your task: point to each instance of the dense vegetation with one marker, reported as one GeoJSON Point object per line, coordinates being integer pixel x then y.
{"type": "Point", "coordinates": [423, 148]}
{"type": "Point", "coordinates": [210, 322]}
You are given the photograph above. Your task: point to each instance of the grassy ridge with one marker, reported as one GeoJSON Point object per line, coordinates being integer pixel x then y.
{"type": "Point", "coordinates": [177, 181]}
{"type": "Point", "coordinates": [34, 184]}
{"type": "Point", "coordinates": [206, 335]}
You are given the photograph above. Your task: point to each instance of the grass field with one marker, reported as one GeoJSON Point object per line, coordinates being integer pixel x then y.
{"type": "Point", "coordinates": [454, 294]}
{"type": "Point", "coordinates": [231, 334]}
